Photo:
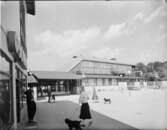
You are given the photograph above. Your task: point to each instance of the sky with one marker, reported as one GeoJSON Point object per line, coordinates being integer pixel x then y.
{"type": "Point", "coordinates": [130, 31]}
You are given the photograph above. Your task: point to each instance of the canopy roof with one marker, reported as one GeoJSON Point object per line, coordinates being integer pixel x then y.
{"type": "Point", "coordinates": [52, 75]}
{"type": "Point", "coordinates": [31, 79]}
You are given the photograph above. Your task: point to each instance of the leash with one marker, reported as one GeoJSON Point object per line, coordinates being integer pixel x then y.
{"type": "Point", "coordinates": [70, 116]}
{"type": "Point", "coordinates": [75, 110]}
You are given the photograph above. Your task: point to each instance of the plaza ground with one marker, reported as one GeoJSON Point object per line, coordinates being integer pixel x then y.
{"type": "Point", "coordinates": [142, 109]}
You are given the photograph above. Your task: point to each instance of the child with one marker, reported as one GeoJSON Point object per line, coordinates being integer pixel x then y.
{"type": "Point", "coordinates": [53, 98]}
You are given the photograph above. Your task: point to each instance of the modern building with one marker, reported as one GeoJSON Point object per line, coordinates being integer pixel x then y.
{"type": "Point", "coordinates": [13, 60]}
{"type": "Point", "coordinates": [97, 72]}
{"type": "Point", "coordinates": [88, 73]}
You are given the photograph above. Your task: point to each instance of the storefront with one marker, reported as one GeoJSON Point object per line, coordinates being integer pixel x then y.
{"type": "Point", "coordinates": [13, 61]}
{"type": "Point", "coordinates": [21, 87]}
{"type": "Point", "coordinates": [60, 83]}
{"type": "Point", "coordinates": [6, 103]}
{"type": "Point", "coordinates": [13, 80]}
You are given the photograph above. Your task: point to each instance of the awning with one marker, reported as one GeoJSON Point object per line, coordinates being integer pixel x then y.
{"type": "Point", "coordinates": [31, 79]}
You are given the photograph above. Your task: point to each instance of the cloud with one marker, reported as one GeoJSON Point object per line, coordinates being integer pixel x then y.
{"type": "Point", "coordinates": [149, 56]}
{"type": "Point", "coordinates": [114, 31]}
{"type": "Point", "coordinates": [67, 42]}
{"type": "Point", "coordinates": [127, 27]}
{"type": "Point", "coordinates": [162, 37]}
{"type": "Point", "coordinates": [74, 41]}
{"type": "Point", "coordinates": [138, 16]}
{"type": "Point", "coordinates": [58, 48]}
{"type": "Point", "coordinates": [107, 52]}
{"type": "Point", "coordinates": [54, 50]}
{"type": "Point", "coordinates": [153, 15]}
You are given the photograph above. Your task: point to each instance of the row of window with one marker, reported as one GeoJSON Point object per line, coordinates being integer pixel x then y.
{"type": "Point", "coordinates": [100, 82]}
{"type": "Point", "coordinates": [109, 66]}
{"type": "Point", "coordinates": [101, 68]}
{"type": "Point", "coordinates": [5, 92]}
{"type": "Point", "coordinates": [108, 82]}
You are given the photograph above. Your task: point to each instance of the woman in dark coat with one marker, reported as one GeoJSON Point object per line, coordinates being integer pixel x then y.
{"type": "Point", "coordinates": [31, 105]}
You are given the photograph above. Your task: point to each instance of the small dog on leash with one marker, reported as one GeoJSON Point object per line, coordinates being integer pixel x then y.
{"type": "Point", "coordinates": [107, 100]}
{"type": "Point", "coordinates": [73, 124]}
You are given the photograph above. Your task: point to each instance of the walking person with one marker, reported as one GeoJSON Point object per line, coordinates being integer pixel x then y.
{"type": "Point", "coordinates": [85, 114]}
{"type": "Point", "coordinates": [49, 95]}
{"type": "Point", "coordinates": [31, 105]}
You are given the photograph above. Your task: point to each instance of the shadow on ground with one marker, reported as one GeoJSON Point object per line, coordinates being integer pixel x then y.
{"type": "Point", "coordinates": [50, 116]}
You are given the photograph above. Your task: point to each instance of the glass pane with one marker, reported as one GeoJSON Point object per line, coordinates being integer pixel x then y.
{"type": "Point", "coordinates": [4, 93]}
{"type": "Point", "coordinates": [4, 66]}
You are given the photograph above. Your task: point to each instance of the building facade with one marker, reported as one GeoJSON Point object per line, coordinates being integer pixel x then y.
{"type": "Point", "coordinates": [13, 60]}
{"type": "Point", "coordinates": [104, 73]}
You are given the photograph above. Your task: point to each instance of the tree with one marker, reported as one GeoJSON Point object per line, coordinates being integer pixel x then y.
{"type": "Point", "coordinates": [157, 66]}
{"type": "Point", "coordinates": [141, 67]}
{"type": "Point", "coordinates": [150, 67]}
{"type": "Point", "coordinates": [153, 70]}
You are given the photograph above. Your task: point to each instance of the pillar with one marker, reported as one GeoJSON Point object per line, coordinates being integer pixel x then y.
{"type": "Point", "coordinates": [14, 95]}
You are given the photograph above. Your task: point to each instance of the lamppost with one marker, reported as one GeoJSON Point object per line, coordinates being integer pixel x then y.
{"type": "Point", "coordinates": [128, 83]}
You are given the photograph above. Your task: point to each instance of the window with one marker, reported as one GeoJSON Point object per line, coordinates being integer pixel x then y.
{"type": "Point", "coordinates": [5, 92]}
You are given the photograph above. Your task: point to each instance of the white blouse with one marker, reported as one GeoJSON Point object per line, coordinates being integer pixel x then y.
{"type": "Point", "coordinates": [83, 97]}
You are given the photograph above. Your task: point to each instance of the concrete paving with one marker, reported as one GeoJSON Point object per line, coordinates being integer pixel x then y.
{"type": "Point", "coordinates": [51, 116]}
{"type": "Point", "coordinates": [144, 109]}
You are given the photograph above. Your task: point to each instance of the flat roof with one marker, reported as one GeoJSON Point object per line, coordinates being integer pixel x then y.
{"type": "Point", "coordinates": [52, 75]}
{"type": "Point", "coordinates": [99, 61]}
{"type": "Point", "coordinates": [106, 61]}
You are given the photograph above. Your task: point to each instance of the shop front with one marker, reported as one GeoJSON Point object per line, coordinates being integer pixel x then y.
{"type": "Point", "coordinates": [13, 80]}
{"type": "Point", "coordinates": [13, 60]}
{"type": "Point", "coordinates": [60, 83]}
{"type": "Point", "coordinates": [6, 104]}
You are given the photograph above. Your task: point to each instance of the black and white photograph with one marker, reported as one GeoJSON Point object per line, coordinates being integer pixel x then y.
{"type": "Point", "coordinates": [83, 65]}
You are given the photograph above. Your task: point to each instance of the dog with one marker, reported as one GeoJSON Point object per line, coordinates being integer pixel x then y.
{"type": "Point", "coordinates": [107, 100]}
{"type": "Point", "coordinates": [73, 124]}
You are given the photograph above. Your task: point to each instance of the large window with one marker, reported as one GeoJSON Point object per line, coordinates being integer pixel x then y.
{"type": "Point", "coordinates": [5, 92]}
{"type": "Point", "coordinates": [20, 89]}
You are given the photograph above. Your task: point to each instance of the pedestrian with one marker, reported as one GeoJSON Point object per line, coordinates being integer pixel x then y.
{"type": "Point", "coordinates": [53, 98]}
{"type": "Point", "coordinates": [85, 114]}
{"type": "Point", "coordinates": [49, 95]}
{"type": "Point", "coordinates": [31, 105]}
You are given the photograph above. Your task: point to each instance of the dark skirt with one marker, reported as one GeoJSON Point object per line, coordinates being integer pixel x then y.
{"type": "Point", "coordinates": [85, 111]}
{"type": "Point", "coordinates": [31, 110]}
